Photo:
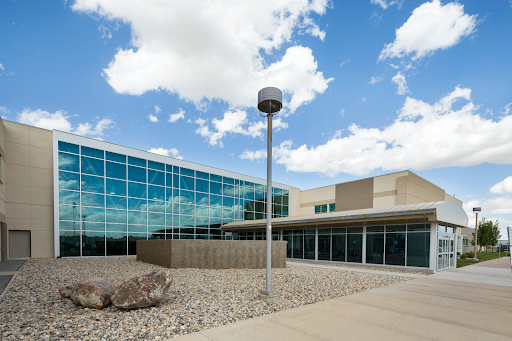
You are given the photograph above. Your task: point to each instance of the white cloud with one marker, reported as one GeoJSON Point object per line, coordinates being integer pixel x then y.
{"type": "Point", "coordinates": [4, 110]}
{"type": "Point", "coordinates": [342, 112]}
{"type": "Point", "coordinates": [174, 117]}
{"type": "Point", "coordinates": [157, 109]}
{"type": "Point", "coordinates": [394, 66]}
{"type": "Point", "coordinates": [344, 62]}
{"type": "Point", "coordinates": [60, 121]}
{"type": "Point", "coordinates": [254, 155]}
{"type": "Point", "coordinates": [173, 152]}
{"type": "Point", "coordinates": [363, 99]}
{"type": "Point", "coordinates": [375, 80]}
{"type": "Point", "coordinates": [422, 136]}
{"type": "Point", "coordinates": [235, 122]}
{"type": "Point", "coordinates": [431, 26]}
{"type": "Point", "coordinates": [207, 50]}
{"type": "Point", "coordinates": [106, 32]}
{"type": "Point", "coordinates": [385, 4]}
{"type": "Point", "coordinates": [401, 83]}
{"type": "Point", "coordinates": [1, 67]}
{"type": "Point", "coordinates": [153, 118]}
{"type": "Point", "coordinates": [502, 187]}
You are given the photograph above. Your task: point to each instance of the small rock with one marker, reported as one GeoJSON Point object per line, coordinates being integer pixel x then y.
{"type": "Point", "coordinates": [92, 293]}
{"type": "Point", "coordinates": [142, 291]}
{"type": "Point", "coordinates": [66, 291]}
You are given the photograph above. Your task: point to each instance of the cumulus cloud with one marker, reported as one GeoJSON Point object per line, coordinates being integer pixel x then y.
{"type": "Point", "coordinates": [153, 118]}
{"type": "Point", "coordinates": [253, 154]}
{"type": "Point", "coordinates": [59, 120]}
{"type": "Point", "coordinates": [107, 34]}
{"type": "Point", "coordinates": [385, 4]}
{"type": "Point", "coordinates": [173, 152]}
{"type": "Point", "coordinates": [157, 109]}
{"type": "Point", "coordinates": [1, 67]}
{"type": "Point", "coordinates": [375, 80]}
{"type": "Point", "coordinates": [502, 187]}
{"type": "Point", "coordinates": [4, 110]}
{"type": "Point", "coordinates": [214, 50]}
{"type": "Point", "coordinates": [422, 136]}
{"type": "Point", "coordinates": [174, 117]}
{"type": "Point", "coordinates": [234, 122]}
{"type": "Point", "coordinates": [401, 84]}
{"type": "Point", "coordinates": [431, 27]}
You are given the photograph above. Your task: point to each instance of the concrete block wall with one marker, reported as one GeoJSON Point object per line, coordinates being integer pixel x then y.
{"type": "Point", "coordinates": [29, 184]}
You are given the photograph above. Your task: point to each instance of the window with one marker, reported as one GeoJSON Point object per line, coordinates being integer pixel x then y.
{"type": "Point", "coordinates": [332, 207]}
{"type": "Point", "coordinates": [320, 209]}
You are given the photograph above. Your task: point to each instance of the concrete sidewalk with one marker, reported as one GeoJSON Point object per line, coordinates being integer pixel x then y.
{"type": "Point", "coordinates": [8, 271]}
{"type": "Point", "coordinates": [460, 304]}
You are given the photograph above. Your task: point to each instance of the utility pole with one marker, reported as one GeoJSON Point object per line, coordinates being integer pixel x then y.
{"type": "Point", "coordinates": [476, 209]}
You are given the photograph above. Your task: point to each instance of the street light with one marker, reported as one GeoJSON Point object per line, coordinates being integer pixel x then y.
{"type": "Point", "coordinates": [270, 102]}
{"type": "Point", "coordinates": [476, 209]}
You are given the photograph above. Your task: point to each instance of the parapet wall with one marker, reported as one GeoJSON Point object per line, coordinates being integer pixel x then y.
{"type": "Point", "coordinates": [211, 254]}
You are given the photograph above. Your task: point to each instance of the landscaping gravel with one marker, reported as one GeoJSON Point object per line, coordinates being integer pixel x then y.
{"type": "Point", "coordinates": [198, 299]}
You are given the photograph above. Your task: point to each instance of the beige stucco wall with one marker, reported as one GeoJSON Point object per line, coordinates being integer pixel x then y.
{"type": "Point", "coordinates": [385, 189]}
{"type": "Point", "coordinates": [29, 184]}
{"type": "Point", "coordinates": [294, 203]}
{"type": "Point", "coordinates": [412, 189]}
{"type": "Point", "coordinates": [448, 197]}
{"type": "Point", "coordinates": [3, 232]}
{"type": "Point", "coordinates": [317, 196]}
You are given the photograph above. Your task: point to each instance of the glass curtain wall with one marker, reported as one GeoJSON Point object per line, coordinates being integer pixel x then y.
{"type": "Point", "coordinates": [108, 201]}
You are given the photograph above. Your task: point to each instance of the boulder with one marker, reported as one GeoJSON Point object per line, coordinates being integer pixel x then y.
{"type": "Point", "coordinates": [66, 291]}
{"type": "Point", "coordinates": [142, 291]}
{"type": "Point", "coordinates": [92, 293]}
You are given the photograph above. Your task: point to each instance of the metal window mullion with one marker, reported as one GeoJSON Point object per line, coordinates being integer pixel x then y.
{"type": "Point", "coordinates": [105, 202]}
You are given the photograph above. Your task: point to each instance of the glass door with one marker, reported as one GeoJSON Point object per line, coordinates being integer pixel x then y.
{"type": "Point", "coordinates": [446, 251]}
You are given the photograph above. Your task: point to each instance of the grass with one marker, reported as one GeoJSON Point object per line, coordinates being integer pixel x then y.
{"type": "Point", "coordinates": [483, 256]}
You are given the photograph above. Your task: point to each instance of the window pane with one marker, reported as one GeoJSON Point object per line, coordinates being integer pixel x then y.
{"type": "Point", "coordinates": [93, 214]}
{"type": "Point", "coordinates": [186, 171]}
{"type": "Point", "coordinates": [202, 211]}
{"type": "Point", "coordinates": [156, 177]}
{"type": "Point", "coordinates": [215, 188]}
{"type": "Point", "coordinates": [93, 243]}
{"type": "Point", "coordinates": [298, 249]}
{"type": "Point", "coordinates": [156, 192]}
{"type": "Point", "coordinates": [117, 227]}
{"type": "Point", "coordinates": [88, 151]}
{"type": "Point", "coordinates": [69, 242]}
{"type": "Point", "coordinates": [156, 219]}
{"type": "Point", "coordinates": [69, 181]}
{"type": "Point", "coordinates": [68, 197]}
{"type": "Point", "coordinates": [168, 179]}
{"type": "Point", "coordinates": [395, 248]}
{"type": "Point", "coordinates": [216, 177]}
{"type": "Point", "coordinates": [331, 207]}
{"type": "Point", "coordinates": [187, 209]}
{"type": "Point", "coordinates": [418, 227]}
{"type": "Point", "coordinates": [395, 228]}
{"type": "Point", "coordinates": [187, 183]}
{"type": "Point", "coordinates": [168, 168]}
{"type": "Point", "coordinates": [202, 175]}
{"type": "Point", "coordinates": [137, 228]}
{"type": "Point", "coordinates": [136, 174]}
{"type": "Point", "coordinates": [136, 161]}
{"type": "Point", "coordinates": [202, 199]}
{"type": "Point", "coordinates": [323, 208]}
{"type": "Point", "coordinates": [186, 221]}
{"type": "Point", "coordinates": [215, 212]}
{"type": "Point", "coordinates": [97, 200]}
{"type": "Point", "coordinates": [116, 170]}
{"type": "Point", "coordinates": [259, 195]}
{"type": "Point", "coordinates": [156, 206]}
{"type": "Point", "coordinates": [68, 147]}
{"type": "Point", "coordinates": [249, 194]}
{"type": "Point", "coordinates": [116, 202]}
{"type": "Point", "coordinates": [69, 225]}
{"type": "Point", "coordinates": [132, 241]}
{"type": "Point", "coordinates": [228, 190]}
{"type": "Point", "coordinates": [137, 218]}
{"type": "Point", "coordinates": [156, 165]}
{"type": "Point", "coordinates": [277, 199]}
{"type": "Point", "coordinates": [202, 185]}
{"type": "Point", "coordinates": [92, 184]}
{"type": "Point", "coordinates": [116, 157]}
{"type": "Point", "coordinates": [375, 229]}
{"type": "Point", "coordinates": [355, 248]}
{"type": "Point", "coordinates": [136, 190]}
{"type": "Point", "coordinates": [309, 247]}
{"type": "Point", "coordinates": [228, 202]}
{"type": "Point", "coordinates": [186, 197]}
{"type": "Point", "coordinates": [375, 248]}
{"type": "Point", "coordinates": [88, 226]}
{"type": "Point", "coordinates": [116, 187]}
{"type": "Point", "coordinates": [69, 212]}
{"type": "Point", "coordinates": [117, 244]}
{"type": "Point", "coordinates": [69, 162]}
{"type": "Point", "coordinates": [202, 222]}
{"type": "Point", "coordinates": [116, 216]}
{"type": "Point", "coordinates": [418, 249]}
{"type": "Point", "coordinates": [137, 204]}
{"type": "Point", "coordinates": [92, 166]}
{"type": "Point", "coordinates": [355, 230]}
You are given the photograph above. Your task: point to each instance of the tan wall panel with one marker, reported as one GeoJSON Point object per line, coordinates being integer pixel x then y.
{"type": "Point", "coordinates": [41, 196]}
{"type": "Point", "coordinates": [2, 207]}
{"type": "Point", "coordinates": [318, 194]}
{"type": "Point", "coordinates": [387, 201]}
{"type": "Point", "coordinates": [17, 133]}
{"type": "Point", "coordinates": [40, 212]}
{"type": "Point", "coordinates": [294, 202]}
{"type": "Point", "coordinates": [18, 224]}
{"type": "Point", "coordinates": [17, 194]}
{"type": "Point", "coordinates": [41, 177]}
{"type": "Point", "coordinates": [41, 225]}
{"type": "Point", "coordinates": [448, 197]}
{"type": "Point", "coordinates": [387, 182]}
{"type": "Point", "coordinates": [41, 138]}
{"type": "Point", "coordinates": [2, 135]}
{"type": "Point", "coordinates": [41, 158]}
{"type": "Point", "coordinates": [354, 195]}
{"type": "Point", "coordinates": [17, 175]}
{"type": "Point", "coordinates": [2, 178]}
{"type": "Point", "coordinates": [307, 210]}
{"type": "Point", "coordinates": [17, 211]}
{"type": "Point", "coordinates": [418, 191]}
{"type": "Point", "coordinates": [17, 154]}
{"type": "Point", "coordinates": [42, 244]}
{"type": "Point", "coordinates": [425, 184]}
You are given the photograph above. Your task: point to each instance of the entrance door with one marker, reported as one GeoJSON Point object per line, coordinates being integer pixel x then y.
{"type": "Point", "coordinates": [19, 244]}
{"type": "Point", "coordinates": [445, 257]}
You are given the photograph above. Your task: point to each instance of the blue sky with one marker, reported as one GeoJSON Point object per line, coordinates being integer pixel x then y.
{"type": "Point", "coordinates": [371, 87]}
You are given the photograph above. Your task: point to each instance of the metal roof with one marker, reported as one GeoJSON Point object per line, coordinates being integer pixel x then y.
{"type": "Point", "coordinates": [448, 212]}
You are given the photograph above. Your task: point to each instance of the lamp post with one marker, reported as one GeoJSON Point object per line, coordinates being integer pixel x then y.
{"type": "Point", "coordinates": [270, 102]}
{"type": "Point", "coordinates": [476, 209]}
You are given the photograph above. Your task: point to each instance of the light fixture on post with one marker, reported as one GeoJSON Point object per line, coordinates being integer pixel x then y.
{"type": "Point", "coordinates": [270, 102]}
{"type": "Point", "coordinates": [476, 209]}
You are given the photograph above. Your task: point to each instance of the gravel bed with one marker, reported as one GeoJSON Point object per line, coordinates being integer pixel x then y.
{"type": "Point", "coordinates": [198, 299]}
{"type": "Point", "coordinates": [345, 265]}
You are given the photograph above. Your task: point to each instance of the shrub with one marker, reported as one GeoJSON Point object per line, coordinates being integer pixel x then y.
{"type": "Point", "coordinates": [463, 256]}
{"type": "Point", "coordinates": [470, 255]}
{"type": "Point", "coordinates": [458, 253]}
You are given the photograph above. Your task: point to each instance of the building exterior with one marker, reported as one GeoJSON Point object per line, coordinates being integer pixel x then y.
{"type": "Point", "coordinates": [64, 195]}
